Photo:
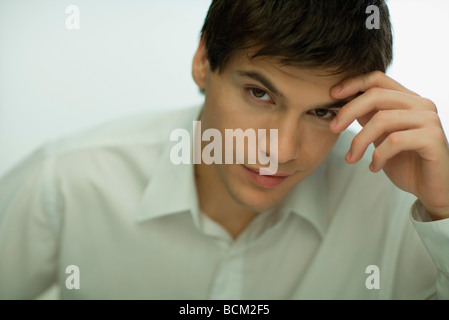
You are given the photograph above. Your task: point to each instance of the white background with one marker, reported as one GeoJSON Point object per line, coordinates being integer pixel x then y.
{"type": "Point", "coordinates": [131, 56]}
{"type": "Point", "coordinates": [135, 55]}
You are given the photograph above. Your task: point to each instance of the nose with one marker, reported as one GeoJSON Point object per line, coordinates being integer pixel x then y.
{"type": "Point", "coordinates": [283, 146]}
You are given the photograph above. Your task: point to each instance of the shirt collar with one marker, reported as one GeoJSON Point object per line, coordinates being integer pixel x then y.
{"type": "Point", "coordinates": [308, 199]}
{"type": "Point", "coordinates": [171, 189]}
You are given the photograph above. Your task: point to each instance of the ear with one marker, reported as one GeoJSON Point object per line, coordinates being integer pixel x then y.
{"type": "Point", "coordinates": [200, 66]}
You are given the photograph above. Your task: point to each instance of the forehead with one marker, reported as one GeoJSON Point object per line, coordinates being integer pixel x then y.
{"type": "Point", "coordinates": [274, 67]}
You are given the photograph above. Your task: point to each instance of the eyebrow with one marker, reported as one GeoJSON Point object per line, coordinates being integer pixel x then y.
{"type": "Point", "coordinates": [338, 104]}
{"type": "Point", "coordinates": [333, 105]}
{"type": "Point", "coordinates": [262, 79]}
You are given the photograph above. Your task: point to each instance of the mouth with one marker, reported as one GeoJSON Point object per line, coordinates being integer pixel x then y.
{"type": "Point", "coordinates": [266, 181]}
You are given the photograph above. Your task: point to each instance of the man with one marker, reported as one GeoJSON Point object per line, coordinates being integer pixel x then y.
{"type": "Point", "coordinates": [111, 209]}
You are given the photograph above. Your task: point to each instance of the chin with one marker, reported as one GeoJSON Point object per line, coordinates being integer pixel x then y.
{"type": "Point", "coordinates": [257, 200]}
{"type": "Point", "coordinates": [250, 196]}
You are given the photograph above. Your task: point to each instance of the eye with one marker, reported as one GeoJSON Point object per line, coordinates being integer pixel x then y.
{"type": "Point", "coordinates": [325, 114]}
{"type": "Point", "coordinates": [260, 94]}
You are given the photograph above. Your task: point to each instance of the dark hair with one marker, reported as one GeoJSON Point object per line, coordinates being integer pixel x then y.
{"type": "Point", "coordinates": [328, 34]}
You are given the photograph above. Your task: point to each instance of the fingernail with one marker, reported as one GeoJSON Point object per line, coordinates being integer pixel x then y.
{"type": "Point", "coordinates": [349, 155]}
{"type": "Point", "coordinates": [334, 123]}
{"type": "Point", "coordinates": [338, 88]}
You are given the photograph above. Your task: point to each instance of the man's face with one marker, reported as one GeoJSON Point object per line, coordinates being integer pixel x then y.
{"type": "Point", "coordinates": [263, 94]}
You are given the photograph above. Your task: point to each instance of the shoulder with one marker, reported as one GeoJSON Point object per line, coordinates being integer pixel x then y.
{"type": "Point", "coordinates": [146, 129]}
{"type": "Point", "coordinates": [132, 144]}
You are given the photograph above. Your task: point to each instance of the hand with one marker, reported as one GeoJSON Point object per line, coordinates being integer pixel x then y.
{"type": "Point", "coordinates": [410, 144]}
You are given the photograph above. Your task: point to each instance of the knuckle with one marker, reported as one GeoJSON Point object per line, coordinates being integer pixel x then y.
{"type": "Point", "coordinates": [430, 105]}
{"type": "Point", "coordinates": [376, 155]}
{"type": "Point", "coordinates": [381, 117]}
{"type": "Point", "coordinates": [433, 118]}
{"type": "Point", "coordinates": [374, 92]}
{"type": "Point", "coordinates": [377, 76]}
{"type": "Point", "coordinates": [357, 141]}
{"type": "Point", "coordinates": [379, 121]}
{"type": "Point", "coordinates": [436, 134]}
{"type": "Point", "coordinates": [395, 138]}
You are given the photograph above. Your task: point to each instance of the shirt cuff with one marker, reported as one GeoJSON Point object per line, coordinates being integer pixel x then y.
{"type": "Point", "coordinates": [434, 235]}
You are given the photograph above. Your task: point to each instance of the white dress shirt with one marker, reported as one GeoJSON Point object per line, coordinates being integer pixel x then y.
{"type": "Point", "coordinates": [110, 202]}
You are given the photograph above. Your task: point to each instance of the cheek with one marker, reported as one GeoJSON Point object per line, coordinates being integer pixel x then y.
{"type": "Point", "coordinates": [226, 110]}
{"type": "Point", "coordinates": [219, 109]}
{"type": "Point", "coordinates": [315, 150]}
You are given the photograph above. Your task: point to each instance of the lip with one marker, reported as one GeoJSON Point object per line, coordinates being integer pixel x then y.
{"type": "Point", "coordinates": [266, 181]}
{"type": "Point", "coordinates": [257, 170]}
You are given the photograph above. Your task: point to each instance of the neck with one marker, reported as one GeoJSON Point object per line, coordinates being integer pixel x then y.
{"type": "Point", "coordinates": [216, 202]}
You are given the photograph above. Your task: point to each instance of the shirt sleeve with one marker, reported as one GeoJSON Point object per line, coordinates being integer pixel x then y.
{"type": "Point", "coordinates": [435, 237]}
{"type": "Point", "coordinates": [29, 212]}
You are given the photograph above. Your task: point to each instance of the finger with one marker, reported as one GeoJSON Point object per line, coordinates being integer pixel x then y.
{"type": "Point", "coordinates": [363, 83]}
{"type": "Point", "coordinates": [377, 99]}
{"type": "Point", "coordinates": [384, 123]}
{"type": "Point", "coordinates": [400, 141]}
